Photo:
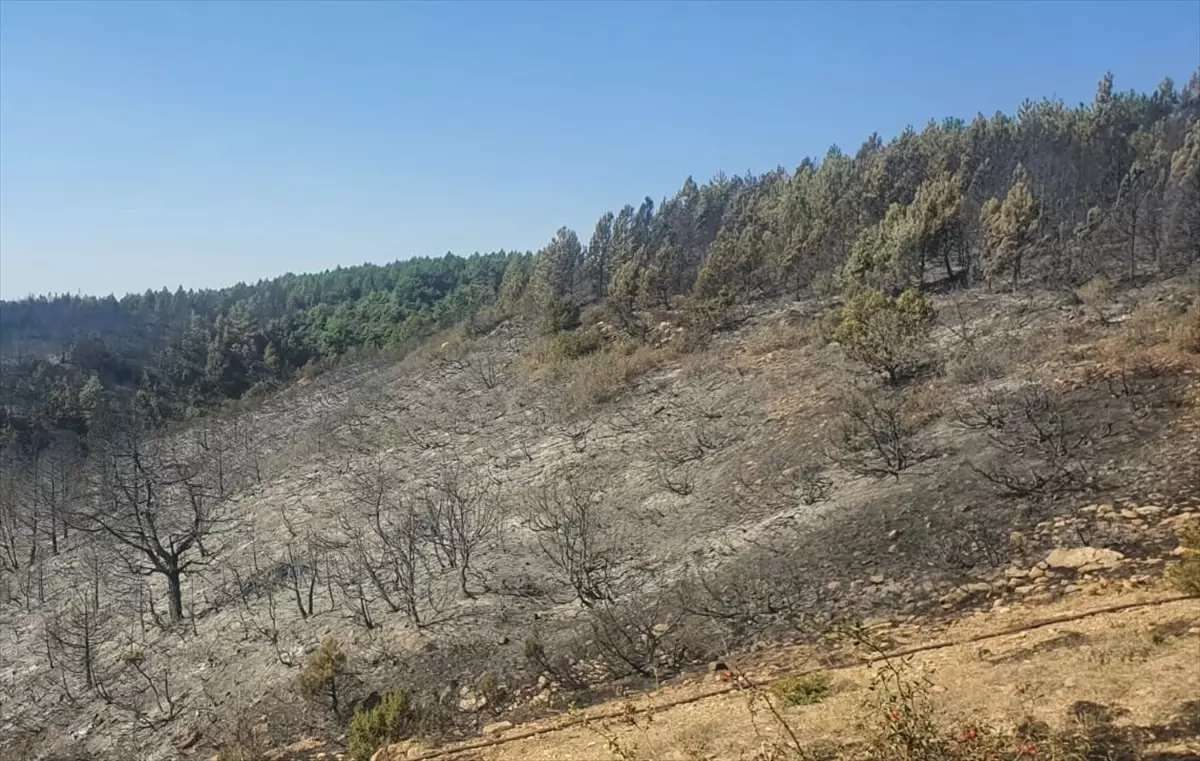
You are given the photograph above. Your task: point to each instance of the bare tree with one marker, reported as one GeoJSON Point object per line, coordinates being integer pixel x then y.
{"type": "Point", "coordinates": [462, 514]}
{"type": "Point", "coordinates": [382, 544]}
{"type": "Point", "coordinates": [82, 623]}
{"type": "Point", "coordinates": [158, 497]}
{"type": "Point", "coordinates": [565, 515]}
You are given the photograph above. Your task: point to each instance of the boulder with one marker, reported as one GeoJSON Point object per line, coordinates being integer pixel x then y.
{"type": "Point", "coordinates": [496, 729]}
{"type": "Point", "coordinates": [1079, 557]}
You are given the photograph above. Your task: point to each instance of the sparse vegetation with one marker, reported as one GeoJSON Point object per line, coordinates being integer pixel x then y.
{"type": "Point", "coordinates": [394, 718]}
{"type": "Point", "coordinates": [1185, 572]}
{"type": "Point", "coordinates": [615, 445]}
{"type": "Point", "coordinates": [322, 676]}
{"type": "Point", "coordinates": [801, 690]}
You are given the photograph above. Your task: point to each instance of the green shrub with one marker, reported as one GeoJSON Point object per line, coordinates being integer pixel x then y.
{"type": "Point", "coordinates": [801, 690]}
{"type": "Point", "coordinates": [323, 672]}
{"type": "Point", "coordinates": [573, 344]}
{"type": "Point", "coordinates": [396, 717]}
{"type": "Point", "coordinates": [886, 334]}
{"type": "Point", "coordinates": [1185, 573]}
{"type": "Point", "coordinates": [558, 314]}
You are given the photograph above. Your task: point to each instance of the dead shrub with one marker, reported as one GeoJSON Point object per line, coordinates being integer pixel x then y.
{"type": "Point", "coordinates": [878, 435]}
{"type": "Point", "coordinates": [1040, 444]}
{"type": "Point", "coordinates": [980, 365]}
{"type": "Point", "coordinates": [1096, 294]}
{"type": "Point", "coordinates": [601, 376]}
{"type": "Point", "coordinates": [779, 335]}
{"type": "Point", "coordinates": [1184, 335]}
{"type": "Point", "coordinates": [324, 674]}
{"type": "Point", "coordinates": [638, 638]}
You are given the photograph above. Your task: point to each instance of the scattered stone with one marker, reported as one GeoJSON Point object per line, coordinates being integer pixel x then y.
{"type": "Point", "coordinates": [878, 578]}
{"type": "Point", "coordinates": [833, 586]}
{"type": "Point", "coordinates": [1036, 573]}
{"type": "Point", "coordinates": [1016, 573]}
{"type": "Point", "coordinates": [469, 701]}
{"type": "Point", "coordinates": [1081, 557]}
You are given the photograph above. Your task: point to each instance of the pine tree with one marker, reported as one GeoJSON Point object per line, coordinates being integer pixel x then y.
{"type": "Point", "coordinates": [599, 259]}
{"type": "Point", "coordinates": [552, 283]}
{"type": "Point", "coordinates": [1010, 227]}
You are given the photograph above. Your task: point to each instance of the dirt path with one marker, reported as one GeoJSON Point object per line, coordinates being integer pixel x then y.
{"type": "Point", "coordinates": [1136, 651]}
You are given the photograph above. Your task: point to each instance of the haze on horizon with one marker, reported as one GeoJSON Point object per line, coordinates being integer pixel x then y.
{"type": "Point", "coordinates": [145, 145]}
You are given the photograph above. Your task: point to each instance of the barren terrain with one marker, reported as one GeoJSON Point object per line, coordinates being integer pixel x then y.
{"type": "Point", "coordinates": [728, 517]}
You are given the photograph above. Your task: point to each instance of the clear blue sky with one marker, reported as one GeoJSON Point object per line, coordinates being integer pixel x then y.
{"type": "Point", "coordinates": [146, 144]}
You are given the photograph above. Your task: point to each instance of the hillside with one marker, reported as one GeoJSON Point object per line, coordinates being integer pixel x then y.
{"type": "Point", "coordinates": [710, 483]}
{"type": "Point", "coordinates": [956, 373]}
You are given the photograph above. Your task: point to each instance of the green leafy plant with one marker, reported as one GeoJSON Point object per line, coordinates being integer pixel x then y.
{"type": "Point", "coordinates": [886, 334]}
{"type": "Point", "coordinates": [802, 690]}
{"type": "Point", "coordinates": [390, 721]}
{"type": "Point", "coordinates": [323, 672]}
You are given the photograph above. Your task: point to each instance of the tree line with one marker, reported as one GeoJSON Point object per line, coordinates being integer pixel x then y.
{"type": "Point", "coordinates": [1051, 196]}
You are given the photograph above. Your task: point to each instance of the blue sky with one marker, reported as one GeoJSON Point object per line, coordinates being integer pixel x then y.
{"type": "Point", "coordinates": [146, 144]}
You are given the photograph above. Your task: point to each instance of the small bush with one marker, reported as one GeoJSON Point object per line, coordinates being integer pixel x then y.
{"type": "Point", "coordinates": [886, 334]}
{"type": "Point", "coordinates": [702, 317]}
{"type": "Point", "coordinates": [801, 690]}
{"type": "Point", "coordinates": [1096, 292]}
{"type": "Point", "coordinates": [1185, 573]}
{"type": "Point", "coordinates": [576, 343]}
{"type": "Point", "coordinates": [777, 336]}
{"type": "Point", "coordinates": [392, 720]}
{"type": "Point", "coordinates": [600, 376]}
{"type": "Point", "coordinates": [1185, 333]}
{"type": "Point", "coordinates": [321, 675]}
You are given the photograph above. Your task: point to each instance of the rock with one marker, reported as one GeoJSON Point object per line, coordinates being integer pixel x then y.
{"type": "Point", "coordinates": [978, 588]}
{"type": "Point", "coordinates": [1015, 573]}
{"type": "Point", "coordinates": [1070, 589]}
{"type": "Point", "coordinates": [497, 728]}
{"type": "Point", "coordinates": [833, 586]}
{"type": "Point", "coordinates": [542, 681]}
{"type": "Point", "coordinates": [1080, 557]}
{"type": "Point", "coordinates": [661, 629]}
{"type": "Point", "coordinates": [469, 701]}
{"type": "Point", "coordinates": [186, 738]}
{"type": "Point", "coordinates": [878, 578]}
